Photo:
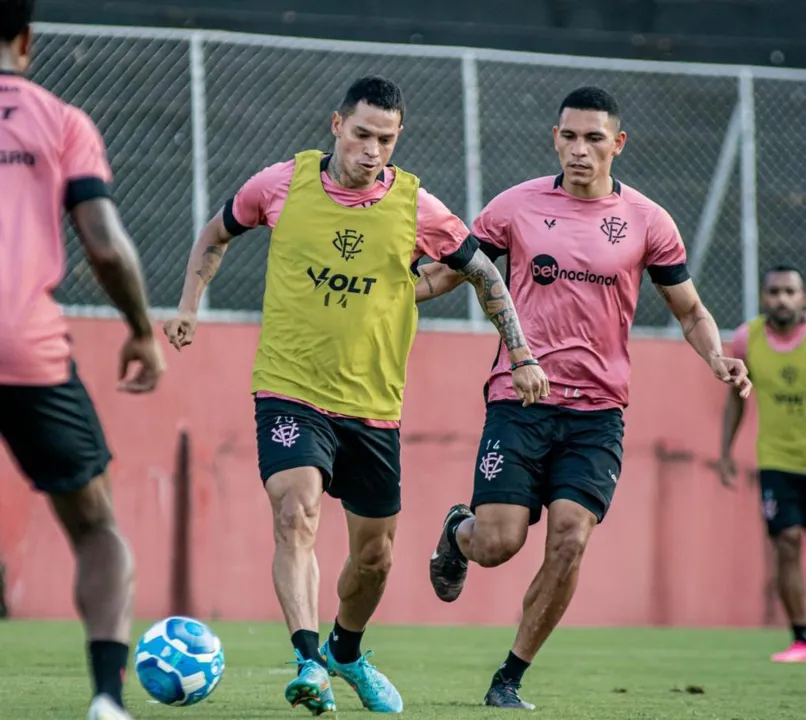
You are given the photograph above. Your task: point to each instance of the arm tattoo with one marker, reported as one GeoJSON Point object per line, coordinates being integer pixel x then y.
{"type": "Point", "coordinates": [428, 281]}
{"type": "Point", "coordinates": [695, 321]}
{"type": "Point", "coordinates": [494, 299]}
{"type": "Point", "coordinates": [211, 261]}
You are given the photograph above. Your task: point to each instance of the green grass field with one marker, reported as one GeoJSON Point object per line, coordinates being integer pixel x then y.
{"type": "Point", "coordinates": [443, 673]}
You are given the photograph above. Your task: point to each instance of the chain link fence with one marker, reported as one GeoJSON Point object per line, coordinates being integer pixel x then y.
{"type": "Point", "coordinates": [477, 122]}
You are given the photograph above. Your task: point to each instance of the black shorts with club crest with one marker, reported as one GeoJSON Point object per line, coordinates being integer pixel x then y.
{"type": "Point", "coordinates": [360, 464]}
{"type": "Point", "coordinates": [783, 499]}
{"type": "Point", "coordinates": [532, 456]}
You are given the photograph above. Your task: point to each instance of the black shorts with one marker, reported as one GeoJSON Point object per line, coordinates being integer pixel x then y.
{"type": "Point", "coordinates": [360, 465]}
{"type": "Point", "coordinates": [54, 434]}
{"type": "Point", "coordinates": [532, 456]}
{"type": "Point", "coordinates": [783, 499]}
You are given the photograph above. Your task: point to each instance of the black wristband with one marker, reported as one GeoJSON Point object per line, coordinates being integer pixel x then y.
{"type": "Point", "coordinates": [521, 363]}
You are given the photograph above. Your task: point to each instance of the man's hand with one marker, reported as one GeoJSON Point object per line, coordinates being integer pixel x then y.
{"type": "Point", "coordinates": [181, 329]}
{"type": "Point", "coordinates": [732, 372]}
{"type": "Point", "coordinates": [146, 351]}
{"type": "Point", "coordinates": [727, 471]}
{"type": "Point", "coordinates": [530, 384]}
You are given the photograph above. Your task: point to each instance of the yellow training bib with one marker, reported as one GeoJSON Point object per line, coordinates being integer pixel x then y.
{"type": "Point", "coordinates": [339, 316]}
{"type": "Point", "coordinates": [779, 380]}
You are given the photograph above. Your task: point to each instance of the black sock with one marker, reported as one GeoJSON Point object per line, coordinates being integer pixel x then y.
{"type": "Point", "coordinates": [307, 643]}
{"type": "Point", "coordinates": [799, 631]}
{"type": "Point", "coordinates": [453, 526]}
{"type": "Point", "coordinates": [345, 644]}
{"type": "Point", "coordinates": [511, 671]}
{"type": "Point", "coordinates": [108, 660]}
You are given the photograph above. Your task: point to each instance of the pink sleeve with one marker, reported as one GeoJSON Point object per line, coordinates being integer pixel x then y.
{"type": "Point", "coordinates": [439, 232]}
{"type": "Point", "coordinates": [261, 198]}
{"type": "Point", "coordinates": [739, 344]}
{"type": "Point", "coordinates": [664, 243]}
{"type": "Point", "coordinates": [492, 224]}
{"type": "Point", "coordinates": [83, 152]}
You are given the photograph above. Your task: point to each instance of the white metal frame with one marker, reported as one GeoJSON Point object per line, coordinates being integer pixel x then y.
{"type": "Point", "coordinates": [740, 141]}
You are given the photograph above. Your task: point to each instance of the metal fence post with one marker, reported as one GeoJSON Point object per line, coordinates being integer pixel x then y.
{"type": "Point", "coordinates": [472, 135]}
{"type": "Point", "coordinates": [750, 276]}
{"type": "Point", "coordinates": [198, 102]}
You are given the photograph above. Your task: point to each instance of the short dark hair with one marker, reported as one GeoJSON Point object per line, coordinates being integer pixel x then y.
{"type": "Point", "coordinates": [591, 98]}
{"type": "Point", "coordinates": [782, 268]}
{"type": "Point", "coordinates": [373, 90]}
{"type": "Point", "coordinates": [15, 16]}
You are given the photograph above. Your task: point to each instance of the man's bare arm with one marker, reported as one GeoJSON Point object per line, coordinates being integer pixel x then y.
{"type": "Point", "coordinates": [731, 420]}
{"type": "Point", "coordinates": [702, 333]}
{"type": "Point", "coordinates": [497, 303]}
{"type": "Point", "coordinates": [204, 262]}
{"type": "Point", "coordinates": [699, 327]}
{"type": "Point", "coordinates": [436, 279]}
{"type": "Point", "coordinates": [114, 260]}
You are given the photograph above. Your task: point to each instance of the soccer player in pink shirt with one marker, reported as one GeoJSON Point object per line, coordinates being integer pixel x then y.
{"type": "Point", "coordinates": [577, 244]}
{"type": "Point", "coordinates": [52, 157]}
{"type": "Point", "coordinates": [339, 317]}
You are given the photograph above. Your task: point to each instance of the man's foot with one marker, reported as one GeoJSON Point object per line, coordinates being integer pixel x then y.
{"type": "Point", "coordinates": [505, 695]}
{"type": "Point", "coordinates": [311, 688]}
{"type": "Point", "coordinates": [448, 565]}
{"type": "Point", "coordinates": [373, 688]}
{"type": "Point", "coordinates": [104, 708]}
{"type": "Point", "coordinates": [795, 653]}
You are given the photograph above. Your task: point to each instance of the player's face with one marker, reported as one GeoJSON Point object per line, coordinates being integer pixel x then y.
{"type": "Point", "coordinates": [365, 140]}
{"type": "Point", "coordinates": [586, 142]}
{"type": "Point", "coordinates": [783, 298]}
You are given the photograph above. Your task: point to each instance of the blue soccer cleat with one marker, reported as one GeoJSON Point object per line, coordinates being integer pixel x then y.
{"type": "Point", "coordinates": [311, 688]}
{"type": "Point", "coordinates": [373, 688]}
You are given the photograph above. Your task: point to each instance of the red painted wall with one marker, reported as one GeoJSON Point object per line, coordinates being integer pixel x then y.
{"type": "Point", "coordinates": [676, 548]}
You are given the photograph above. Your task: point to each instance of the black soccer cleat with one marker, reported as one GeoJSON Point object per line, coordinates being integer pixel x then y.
{"type": "Point", "coordinates": [505, 695]}
{"type": "Point", "coordinates": [448, 566]}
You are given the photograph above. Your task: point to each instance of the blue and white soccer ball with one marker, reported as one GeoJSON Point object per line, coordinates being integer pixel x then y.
{"type": "Point", "coordinates": [179, 661]}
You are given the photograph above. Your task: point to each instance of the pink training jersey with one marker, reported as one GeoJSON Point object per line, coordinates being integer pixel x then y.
{"type": "Point", "coordinates": [575, 270]}
{"type": "Point", "coordinates": [51, 156]}
{"type": "Point", "coordinates": [260, 201]}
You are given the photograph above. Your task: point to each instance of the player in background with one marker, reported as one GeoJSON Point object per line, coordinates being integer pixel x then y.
{"type": "Point", "coordinates": [52, 157]}
{"type": "Point", "coordinates": [339, 318]}
{"type": "Point", "coordinates": [577, 244]}
{"type": "Point", "coordinates": [773, 346]}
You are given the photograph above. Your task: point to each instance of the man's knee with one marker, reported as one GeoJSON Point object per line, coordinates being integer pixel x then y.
{"type": "Point", "coordinates": [295, 499]}
{"type": "Point", "coordinates": [788, 545]}
{"type": "Point", "coordinates": [570, 528]}
{"type": "Point", "coordinates": [499, 533]}
{"type": "Point", "coordinates": [87, 510]}
{"type": "Point", "coordinates": [374, 557]}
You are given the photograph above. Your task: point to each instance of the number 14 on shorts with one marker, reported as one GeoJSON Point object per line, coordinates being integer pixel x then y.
{"type": "Point", "coordinates": [493, 461]}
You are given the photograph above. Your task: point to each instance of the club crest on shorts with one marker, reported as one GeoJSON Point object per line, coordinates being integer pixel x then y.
{"type": "Point", "coordinates": [285, 431]}
{"type": "Point", "coordinates": [769, 505]}
{"type": "Point", "coordinates": [491, 464]}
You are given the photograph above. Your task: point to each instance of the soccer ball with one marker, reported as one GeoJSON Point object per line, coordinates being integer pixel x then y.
{"type": "Point", "coordinates": [179, 661]}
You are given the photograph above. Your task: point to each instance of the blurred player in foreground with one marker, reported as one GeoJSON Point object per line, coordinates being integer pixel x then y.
{"type": "Point", "coordinates": [774, 348]}
{"type": "Point", "coordinates": [52, 157]}
{"type": "Point", "coordinates": [339, 318]}
{"type": "Point", "coordinates": [577, 244]}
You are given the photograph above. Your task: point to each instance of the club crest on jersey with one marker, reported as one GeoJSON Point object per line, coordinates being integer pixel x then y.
{"type": "Point", "coordinates": [614, 228]}
{"type": "Point", "coordinates": [348, 243]}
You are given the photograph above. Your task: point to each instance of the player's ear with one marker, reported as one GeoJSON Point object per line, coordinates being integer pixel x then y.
{"type": "Point", "coordinates": [24, 40]}
{"type": "Point", "coordinates": [335, 123]}
{"type": "Point", "coordinates": [621, 139]}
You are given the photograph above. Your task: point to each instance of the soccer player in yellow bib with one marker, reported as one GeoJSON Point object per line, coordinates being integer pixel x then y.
{"type": "Point", "coordinates": [339, 319]}
{"type": "Point", "coordinates": [774, 349]}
